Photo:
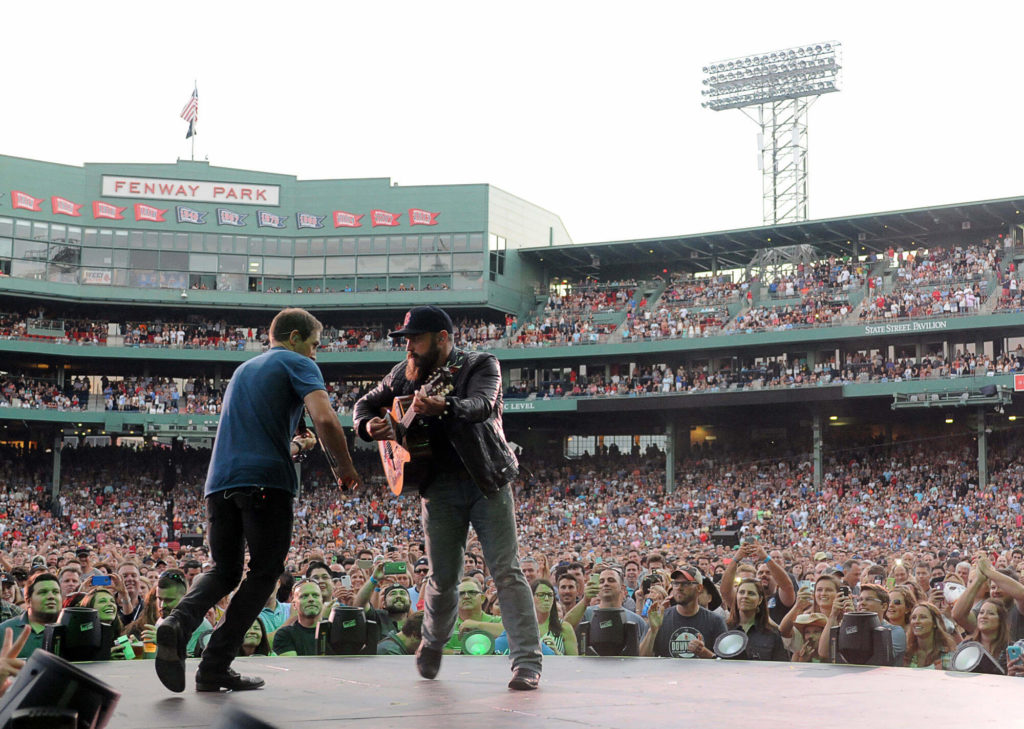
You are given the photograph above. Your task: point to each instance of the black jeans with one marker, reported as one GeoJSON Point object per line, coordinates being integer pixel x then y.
{"type": "Point", "coordinates": [261, 518]}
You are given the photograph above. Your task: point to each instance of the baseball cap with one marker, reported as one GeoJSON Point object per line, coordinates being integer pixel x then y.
{"type": "Point", "coordinates": [421, 562]}
{"type": "Point", "coordinates": [6, 577]}
{"type": "Point", "coordinates": [421, 319]}
{"type": "Point", "coordinates": [391, 588]}
{"type": "Point", "coordinates": [689, 573]}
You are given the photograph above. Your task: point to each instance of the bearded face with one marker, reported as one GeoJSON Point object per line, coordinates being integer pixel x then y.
{"type": "Point", "coordinates": [422, 355]}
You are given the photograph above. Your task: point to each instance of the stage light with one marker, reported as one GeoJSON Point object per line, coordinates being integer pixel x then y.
{"type": "Point", "coordinates": [49, 682]}
{"type": "Point", "coordinates": [860, 639]}
{"type": "Point", "coordinates": [731, 644]}
{"type": "Point", "coordinates": [971, 657]}
{"type": "Point", "coordinates": [477, 643]}
{"type": "Point", "coordinates": [347, 633]}
{"type": "Point", "coordinates": [608, 633]}
{"type": "Point", "coordinates": [78, 635]}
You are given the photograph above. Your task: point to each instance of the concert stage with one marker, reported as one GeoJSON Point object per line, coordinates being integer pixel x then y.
{"type": "Point", "coordinates": [626, 693]}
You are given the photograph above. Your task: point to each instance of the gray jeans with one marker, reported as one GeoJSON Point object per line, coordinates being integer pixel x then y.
{"type": "Point", "coordinates": [447, 509]}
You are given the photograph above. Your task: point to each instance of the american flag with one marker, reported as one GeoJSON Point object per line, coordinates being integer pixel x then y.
{"type": "Point", "coordinates": [191, 112]}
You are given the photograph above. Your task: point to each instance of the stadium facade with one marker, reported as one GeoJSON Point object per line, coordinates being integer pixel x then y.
{"type": "Point", "coordinates": [124, 243]}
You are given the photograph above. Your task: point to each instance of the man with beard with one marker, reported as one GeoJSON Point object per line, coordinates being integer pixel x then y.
{"type": "Point", "coordinates": [43, 596]}
{"type": "Point", "coordinates": [472, 467]}
{"type": "Point", "coordinates": [395, 602]}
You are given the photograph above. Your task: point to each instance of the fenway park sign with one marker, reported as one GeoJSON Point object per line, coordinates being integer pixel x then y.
{"type": "Point", "coordinates": [152, 188]}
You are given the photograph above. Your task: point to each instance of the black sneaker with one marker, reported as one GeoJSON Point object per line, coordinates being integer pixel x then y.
{"type": "Point", "coordinates": [428, 660]}
{"type": "Point", "coordinates": [170, 654]}
{"type": "Point", "coordinates": [226, 679]}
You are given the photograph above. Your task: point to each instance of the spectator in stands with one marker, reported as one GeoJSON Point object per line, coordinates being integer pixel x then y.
{"type": "Point", "coordinates": [299, 638]}
{"type": "Point", "coordinates": [405, 641]}
{"type": "Point", "coordinates": [43, 596]}
{"type": "Point", "coordinates": [993, 629]}
{"type": "Point", "coordinates": [928, 642]}
{"type": "Point", "coordinates": [70, 579]}
{"type": "Point", "coordinates": [749, 613]}
{"type": "Point", "coordinates": [129, 595]}
{"type": "Point", "coordinates": [169, 591]}
{"type": "Point", "coordinates": [1003, 588]}
{"type": "Point", "coordinates": [558, 636]}
{"type": "Point", "coordinates": [256, 642]}
{"type": "Point", "coordinates": [680, 627]}
{"type": "Point", "coordinates": [471, 615]}
{"type": "Point", "coordinates": [8, 608]}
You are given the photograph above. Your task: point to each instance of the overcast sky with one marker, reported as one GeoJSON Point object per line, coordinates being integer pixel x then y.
{"type": "Point", "coordinates": [589, 109]}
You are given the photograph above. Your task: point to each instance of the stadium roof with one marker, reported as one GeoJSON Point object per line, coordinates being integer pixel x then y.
{"type": "Point", "coordinates": [735, 248]}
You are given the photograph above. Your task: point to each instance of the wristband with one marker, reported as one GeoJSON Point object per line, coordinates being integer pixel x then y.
{"type": "Point", "coordinates": [373, 580]}
{"type": "Point", "coordinates": [767, 559]}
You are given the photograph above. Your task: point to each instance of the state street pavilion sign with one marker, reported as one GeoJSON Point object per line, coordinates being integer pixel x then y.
{"type": "Point", "coordinates": [152, 188]}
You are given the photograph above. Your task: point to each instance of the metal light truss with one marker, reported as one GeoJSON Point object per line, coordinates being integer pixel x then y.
{"type": "Point", "coordinates": [781, 85]}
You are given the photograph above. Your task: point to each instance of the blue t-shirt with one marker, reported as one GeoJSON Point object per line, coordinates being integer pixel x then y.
{"type": "Point", "coordinates": [262, 408]}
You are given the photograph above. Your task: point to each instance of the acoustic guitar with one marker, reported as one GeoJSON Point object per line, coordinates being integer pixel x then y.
{"type": "Point", "coordinates": [408, 457]}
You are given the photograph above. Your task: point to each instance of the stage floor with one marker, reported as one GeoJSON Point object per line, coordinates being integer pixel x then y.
{"type": "Point", "coordinates": [626, 693]}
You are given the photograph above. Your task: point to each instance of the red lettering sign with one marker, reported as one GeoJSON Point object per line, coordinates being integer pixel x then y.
{"type": "Point", "coordinates": [347, 220]}
{"type": "Point", "coordinates": [24, 201]}
{"type": "Point", "coordinates": [148, 212]}
{"type": "Point", "coordinates": [106, 210]}
{"type": "Point", "coordinates": [383, 217]}
{"type": "Point", "coordinates": [422, 217]}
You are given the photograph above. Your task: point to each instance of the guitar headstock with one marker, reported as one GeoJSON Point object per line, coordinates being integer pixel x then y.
{"type": "Point", "coordinates": [438, 383]}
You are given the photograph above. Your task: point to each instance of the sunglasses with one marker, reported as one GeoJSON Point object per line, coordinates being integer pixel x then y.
{"type": "Point", "coordinates": [174, 577]}
{"type": "Point", "coordinates": [422, 571]}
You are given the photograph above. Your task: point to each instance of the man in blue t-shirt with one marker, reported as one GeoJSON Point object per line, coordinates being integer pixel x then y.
{"type": "Point", "coordinates": [249, 489]}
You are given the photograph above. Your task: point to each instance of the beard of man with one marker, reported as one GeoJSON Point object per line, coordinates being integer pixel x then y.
{"type": "Point", "coordinates": [418, 366]}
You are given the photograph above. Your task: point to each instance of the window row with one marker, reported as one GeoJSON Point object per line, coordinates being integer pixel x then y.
{"type": "Point", "coordinates": [238, 244]}
{"type": "Point", "coordinates": [70, 256]}
{"type": "Point", "coordinates": [320, 283]}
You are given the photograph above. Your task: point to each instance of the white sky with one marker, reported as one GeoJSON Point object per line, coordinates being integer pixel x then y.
{"type": "Point", "coordinates": [589, 109]}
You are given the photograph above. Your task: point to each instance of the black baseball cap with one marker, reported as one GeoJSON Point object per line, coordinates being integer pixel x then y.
{"type": "Point", "coordinates": [6, 577]}
{"type": "Point", "coordinates": [422, 319]}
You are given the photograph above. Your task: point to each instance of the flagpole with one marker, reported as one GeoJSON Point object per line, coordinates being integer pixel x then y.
{"type": "Point", "coordinates": [195, 89]}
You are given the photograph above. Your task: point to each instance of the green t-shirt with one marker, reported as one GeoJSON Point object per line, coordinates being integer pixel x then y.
{"type": "Point", "coordinates": [35, 640]}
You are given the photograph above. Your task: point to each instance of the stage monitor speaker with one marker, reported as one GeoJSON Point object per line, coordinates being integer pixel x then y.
{"type": "Point", "coordinates": [608, 633]}
{"type": "Point", "coordinates": [46, 681]}
{"type": "Point", "coordinates": [726, 538]}
{"type": "Point", "coordinates": [191, 540]}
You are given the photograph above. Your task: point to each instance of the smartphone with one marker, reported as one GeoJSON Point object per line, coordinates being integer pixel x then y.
{"type": "Point", "coordinates": [346, 581]}
{"type": "Point", "coordinates": [100, 580]}
{"type": "Point", "coordinates": [364, 564]}
{"type": "Point", "coordinates": [844, 591]}
{"type": "Point", "coordinates": [395, 568]}
{"type": "Point", "coordinates": [936, 582]}
{"type": "Point", "coordinates": [890, 582]}
{"type": "Point", "coordinates": [1013, 652]}
{"type": "Point", "coordinates": [806, 584]}
{"type": "Point", "coordinates": [647, 608]}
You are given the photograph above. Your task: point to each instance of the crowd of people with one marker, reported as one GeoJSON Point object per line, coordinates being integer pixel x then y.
{"type": "Point", "coordinates": [814, 309]}
{"type": "Point", "coordinates": [597, 532]}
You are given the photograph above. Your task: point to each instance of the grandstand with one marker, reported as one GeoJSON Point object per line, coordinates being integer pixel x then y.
{"type": "Point", "coordinates": [129, 292]}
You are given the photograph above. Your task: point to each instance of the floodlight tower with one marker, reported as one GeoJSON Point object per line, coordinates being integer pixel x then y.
{"type": "Point", "coordinates": [781, 85]}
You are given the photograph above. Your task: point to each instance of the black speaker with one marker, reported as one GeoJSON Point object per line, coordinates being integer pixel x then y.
{"type": "Point", "coordinates": [46, 681]}
{"type": "Point", "coordinates": [608, 633]}
{"type": "Point", "coordinates": [726, 538]}
{"type": "Point", "coordinates": [190, 540]}
{"type": "Point", "coordinates": [347, 632]}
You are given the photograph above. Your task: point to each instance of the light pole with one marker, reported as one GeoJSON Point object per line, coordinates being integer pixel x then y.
{"type": "Point", "coordinates": [781, 86]}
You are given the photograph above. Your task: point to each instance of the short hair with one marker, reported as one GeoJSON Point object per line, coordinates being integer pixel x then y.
{"type": "Point", "coordinates": [880, 592]}
{"type": "Point", "coordinates": [69, 568]}
{"type": "Point", "coordinates": [413, 625]}
{"type": "Point", "coordinates": [192, 564]}
{"type": "Point", "coordinates": [849, 564]}
{"type": "Point", "coordinates": [127, 564]}
{"type": "Point", "coordinates": [30, 586]}
{"type": "Point", "coordinates": [294, 319]}
{"type": "Point", "coordinates": [315, 564]}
